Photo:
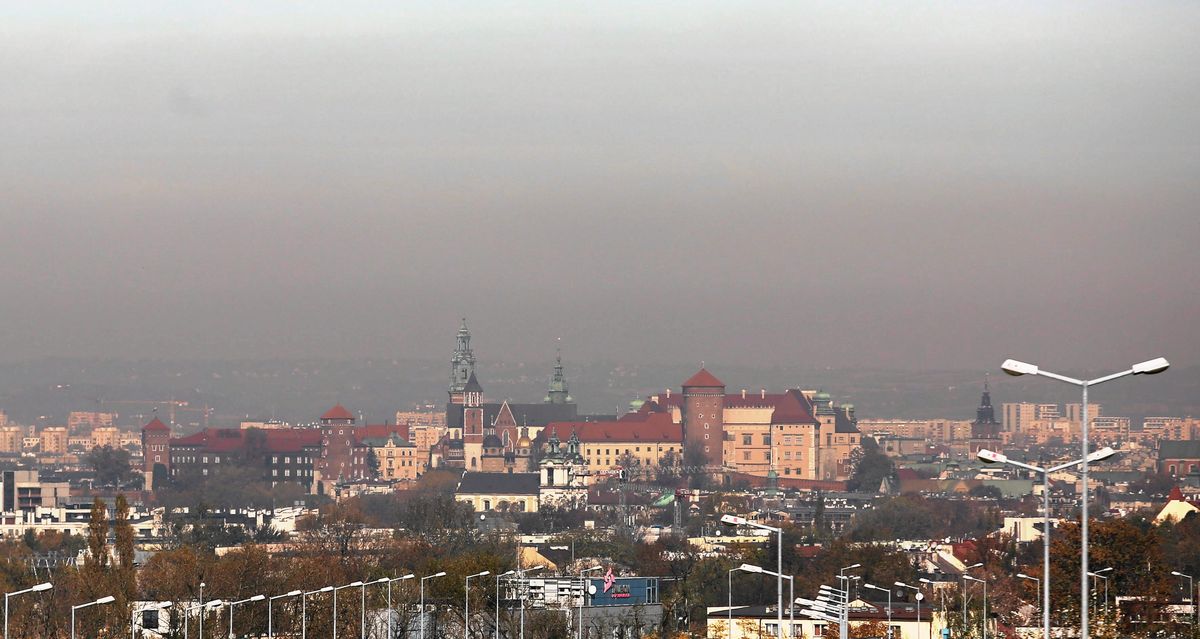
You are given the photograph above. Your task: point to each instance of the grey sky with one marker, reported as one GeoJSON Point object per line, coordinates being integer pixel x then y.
{"type": "Point", "coordinates": [841, 184]}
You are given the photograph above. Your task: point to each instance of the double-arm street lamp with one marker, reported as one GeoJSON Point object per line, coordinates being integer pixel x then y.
{"type": "Point", "coordinates": [362, 611]}
{"type": "Point", "coordinates": [498, 578]}
{"type": "Point", "coordinates": [1037, 581]}
{"type": "Point", "coordinates": [993, 457]}
{"type": "Point", "coordinates": [37, 588]}
{"type": "Point", "coordinates": [742, 521]}
{"type": "Point", "coordinates": [1191, 595]}
{"type": "Point", "coordinates": [203, 609]}
{"type": "Point", "coordinates": [467, 601]}
{"type": "Point", "coordinates": [422, 613]}
{"type": "Point", "coordinates": [304, 609]}
{"type": "Point", "coordinates": [1149, 367]}
{"type": "Point", "coordinates": [271, 611]}
{"type": "Point", "coordinates": [102, 600]}
{"type": "Point", "coordinates": [1099, 574]}
{"type": "Point", "coordinates": [985, 617]}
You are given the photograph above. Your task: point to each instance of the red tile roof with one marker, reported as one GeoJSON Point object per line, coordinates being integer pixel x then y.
{"type": "Point", "coordinates": [381, 431]}
{"type": "Point", "coordinates": [1175, 495]}
{"type": "Point", "coordinates": [704, 379]}
{"type": "Point", "coordinates": [656, 427]}
{"type": "Point", "coordinates": [337, 412]}
{"type": "Point", "coordinates": [222, 440]}
{"type": "Point", "coordinates": [156, 424]}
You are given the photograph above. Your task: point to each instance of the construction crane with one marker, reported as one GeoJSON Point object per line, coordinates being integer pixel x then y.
{"type": "Point", "coordinates": [173, 405]}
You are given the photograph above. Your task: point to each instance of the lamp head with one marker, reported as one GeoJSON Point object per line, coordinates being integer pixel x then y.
{"type": "Point", "coordinates": [41, 587]}
{"type": "Point", "coordinates": [1179, 574]}
{"type": "Point", "coordinates": [902, 584]}
{"type": "Point", "coordinates": [482, 574]}
{"type": "Point", "coordinates": [732, 519]}
{"type": "Point", "coordinates": [507, 573]}
{"type": "Point", "coordinates": [1102, 454]}
{"type": "Point", "coordinates": [852, 566]}
{"type": "Point", "coordinates": [991, 457]}
{"type": "Point", "coordinates": [104, 600]}
{"type": "Point", "coordinates": [925, 581]}
{"type": "Point", "coordinates": [974, 565]}
{"type": "Point", "coordinates": [1151, 367]}
{"type": "Point", "coordinates": [1016, 368]}
{"type": "Point", "coordinates": [440, 574]}
{"type": "Point", "coordinates": [354, 585]}
{"type": "Point", "coordinates": [1109, 569]}
{"type": "Point", "coordinates": [215, 603]}
{"type": "Point", "coordinates": [294, 593]}
{"type": "Point", "coordinates": [530, 569]}
{"type": "Point", "coordinates": [326, 589]}
{"type": "Point", "coordinates": [257, 598]}
{"type": "Point", "coordinates": [381, 580]}
{"type": "Point", "coordinates": [1024, 576]}
{"type": "Point", "coordinates": [750, 568]}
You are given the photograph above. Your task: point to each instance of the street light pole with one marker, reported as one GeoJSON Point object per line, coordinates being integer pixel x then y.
{"type": "Point", "coordinates": [985, 618]}
{"type": "Point", "coordinates": [1099, 575]}
{"type": "Point", "coordinates": [467, 602]}
{"type": "Point", "coordinates": [335, 591]}
{"type": "Point", "coordinates": [521, 595]}
{"type": "Point", "coordinates": [270, 610]}
{"type": "Point", "coordinates": [37, 588]}
{"type": "Point", "coordinates": [990, 457]}
{"type": "Point", "coordinates": [1191, 596]}
{"type": "Point", "coordinates": [918, 597]}
{"type": "Point", "coordinates": [583, 592]}
{"type": "Point", "coordinates": [742, 521]}
{"type": "Point", "coordinates": [1039, 587]}
{"type": "Point", "coordinates": [792, 586]}
{"type": "Point", "coordinates": [233, 604]}
{"type": "Point", "coordinates": [304, 609]}
{"type": "Point", "coordinates": [889, 608]}
{"type": "Point", "coordinates": [498, 577]}
{"type": "Point", "coordinates": [422, 612]}
{"type": "Point", "coordinates": [1149, 367]}
{"type": "Point", "coordinates": [102, 600]}
{"type": "Point", "coordinates": [389, 601]}
{"type": "Point", "coordinates": [362, 612]}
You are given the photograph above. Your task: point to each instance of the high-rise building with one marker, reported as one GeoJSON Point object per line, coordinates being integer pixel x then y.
{"type": "Point", "coordinates": [10, 439]}
{"type": "Point", "coordinates": [54, 440]}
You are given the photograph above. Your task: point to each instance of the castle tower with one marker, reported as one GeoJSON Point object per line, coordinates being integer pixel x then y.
{"type": "Point", "coordinates": [472, 423]}
{"type": "Point", "coordinates": [462, 364]}
{"type": "Point", "coordinates": [156, 451]}
{"type": "Point", "coordinates": [557, 392]}
{"type": "Point", "coordinates": [703, 415]}
{"type": "Point", "coordinates": [985, 430]}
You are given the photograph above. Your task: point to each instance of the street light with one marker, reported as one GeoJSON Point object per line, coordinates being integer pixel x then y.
{"type": "Point", "coordinates": [102, 600]}
{"type": "Point", "coordinates": [233, 604]}
{"type": "Point", "coordinates": [792, 591]}
{"type": "Point", "coordinates": [498, 577]}
{"type": "Point", "coordinates": [1022, 575]}
{"type": "Point", "coordinates": [335, 591]}
{"type": "Point", "coordinates": [202, 608]}
{"type": "Point", "coordinates": [1148, 367]}
{"type": "Point", "coordinates": [1098, 575]}
{"type": "Point", "coordinates": [521, 596]}
{"type": "Point", "coordinates": [422, 613]}
{"type": "Point", "coordinates": [734, 520]}
{"type": "Point", "coordinates": [964, 592]}
{"type": "Point", "coordinates": [362, 611]}
{"type": "Point", "coordinates": [1191, 595]}
{"type": "Point", "coordinates": [37, 588]}
{"type": "Point", "coordinates": [583, 593]}
{"type": "Point", "coordinates": [985, 619]}
{"type": "Point", "coordinates": [304, 609]}
{"type": "Point", "coordinates": [133, 621]}
{"type": "Point", "coordinates": [270, 611]}
{"type": "Point", "coordinates": [918, 597]}
{"type": "Point", "coordinates": [992, 457]}
{"type": "Point", "coordinates": [467, 601]}
{"type": "Point", "coordinates": [889, 608]}
{"type": "Point", "coordinates": [389, 600]}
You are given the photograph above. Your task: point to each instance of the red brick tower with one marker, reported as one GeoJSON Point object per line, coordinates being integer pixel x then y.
{"type": "Point", "coordinates": [703, 415]}
{"type": "Point", "coordinates": [472, 424]}
{"type": "Point", "coordinates": [156, 450]}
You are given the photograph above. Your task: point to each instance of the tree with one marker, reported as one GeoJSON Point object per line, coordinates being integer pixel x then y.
{"type": "Point", "coordinates": [372, 463]}
{"type": "Point", "coordinates": [695, 465]}
{"type": "Point", "coordinates": [97, 559]}
{"type": "Point", "coordinates": [872, 468]}
{"type": "Point", "coordinates": [111, 465]}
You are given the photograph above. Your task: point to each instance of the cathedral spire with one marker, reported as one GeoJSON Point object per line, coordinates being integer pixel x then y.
{"type": "Point", "coordinates": [557, 393]}
{"type": "Point", "coordinates": [462, 363]}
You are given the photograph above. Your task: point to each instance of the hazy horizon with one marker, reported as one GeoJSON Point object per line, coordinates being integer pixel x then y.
{"type": "Point", "coordinates": [909, 186]}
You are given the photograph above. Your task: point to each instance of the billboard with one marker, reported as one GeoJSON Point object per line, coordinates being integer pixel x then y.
{"type": "Point", "coordinates": [623, 591]}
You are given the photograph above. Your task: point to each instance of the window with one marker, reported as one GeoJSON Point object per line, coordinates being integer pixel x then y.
{"type": "Point", "coordinates": [819, 629]}
{"type": "Point", "coordinates": [746, 455]}
{"type": "Point", "coordinates": [746, 440]}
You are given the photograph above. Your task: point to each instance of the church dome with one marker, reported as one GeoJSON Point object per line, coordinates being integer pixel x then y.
{"type": "Point", "coordinates": [524, 442]}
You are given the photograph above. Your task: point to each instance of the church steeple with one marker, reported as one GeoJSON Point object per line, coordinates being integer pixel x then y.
{"type": "Point", "coordinates": [462, 364]}
{"type": "Point", "coordinates": [557, 392]}
{"type": "Point", "coordinates": [985, 414]}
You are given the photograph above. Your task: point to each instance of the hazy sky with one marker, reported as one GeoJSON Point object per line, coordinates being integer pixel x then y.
{"type": "Point", "coordinates": [835, 184]}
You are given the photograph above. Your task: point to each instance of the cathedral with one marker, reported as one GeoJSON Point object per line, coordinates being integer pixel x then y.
{"type": "Point", "coordinates": [495, 437]}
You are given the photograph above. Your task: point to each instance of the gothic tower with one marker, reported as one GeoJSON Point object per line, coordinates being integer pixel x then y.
{"type": "Point", "coordinates": [703, 415]}
{"type": "Point", "coordinates": [462, 364]}
{"type": "Point", "coordinates": [557, 392]}
{"type": "Point", "coordinates": [472, 423]}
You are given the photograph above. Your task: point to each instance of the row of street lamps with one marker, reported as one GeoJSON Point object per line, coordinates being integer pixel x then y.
{"type": "Point", "coordinates": [206, 606]}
